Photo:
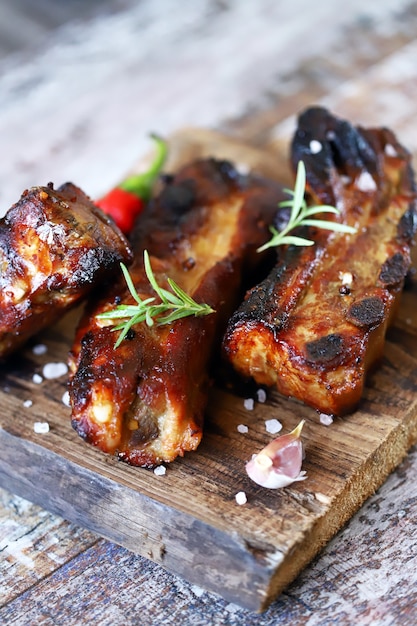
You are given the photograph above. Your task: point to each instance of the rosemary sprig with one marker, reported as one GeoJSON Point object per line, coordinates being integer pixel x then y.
{"type": "Point", "coordinates": [173, 305]}
{"type": "Point", "coordinates": [301, 216]}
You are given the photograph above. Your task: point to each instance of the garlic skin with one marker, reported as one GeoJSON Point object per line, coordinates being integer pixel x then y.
{"type": "Point", "coordinates": [279, 463]}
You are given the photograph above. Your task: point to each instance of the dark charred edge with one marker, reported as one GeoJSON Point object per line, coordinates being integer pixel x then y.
{"type": "Point", "coordinates": [84, 433]}
{"type": "Point", "coordinates": [260, 302]}
{"type": "Point", "coordinates": [180, 194]}
{"type": "Point", "coordinates": [349, 150]}
{"type": "Point", "coordinates": [367, 313]}
{"type": "Point", "coordinates": [170, 217]}
{"type": "Point", "coordinates": [344, 147]}
{"type": "Point", "coordinates": [325, 350]}
{"type": "Point", "coordinates": [407, 226]}
{"type": "Point", "coordinates": [393, 270]}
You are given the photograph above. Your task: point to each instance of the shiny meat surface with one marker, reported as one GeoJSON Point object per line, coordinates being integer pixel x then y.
{"type": "Point", "coordinates": [144, 401]}
{"type": "Point", "coordinates": [55, 245]}
{"type": "Point", "coordinates": [317, 324]}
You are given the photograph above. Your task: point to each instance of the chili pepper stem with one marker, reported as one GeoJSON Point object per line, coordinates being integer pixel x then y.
{"type": "Point", "coordinates": [141, 184]}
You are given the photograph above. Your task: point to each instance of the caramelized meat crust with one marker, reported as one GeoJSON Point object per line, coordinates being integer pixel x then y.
{"type": "Point", "coordinates": [317, 324]}
{"type": "Point", "coordinates": [55, 245]}
{"type": "Point", "coordinates": [144, 401]}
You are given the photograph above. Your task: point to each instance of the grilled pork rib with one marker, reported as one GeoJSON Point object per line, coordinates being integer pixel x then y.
{"type": "Point", "coordinates": [144, 400]}
{"type": "Point", "coordinates": [54, 246]}
{"type": "Point", "coordinates": [316, 325]}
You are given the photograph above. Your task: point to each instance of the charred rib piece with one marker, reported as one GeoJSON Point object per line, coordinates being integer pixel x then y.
{"type": "Point", "coordinates": [317, 324]}
{"type": "Point", "coordinates": [145, 400]}
{"type": "Point", "coordinates": [55, 245]}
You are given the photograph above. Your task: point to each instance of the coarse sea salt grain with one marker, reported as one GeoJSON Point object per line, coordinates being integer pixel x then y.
{"type": "Point", "coordinates": [41, 428]}
{"type": "Point", "coordinates": [243, 168]}
{"type": "Point", "coordinates": [27, 404]}
{"type": "Point", "coordinates": [54, 370]}
{"type": "Point", "coordinates": [365, 182]}
{"type": "Point", "coordinates": [242, 428]}
{"type": "Point", "coordinates": [66, 399]}
{"type": "Point", "coordinates": [273, 426]}
{"type": "Point", "coordinates": [241, 498]}
{"type": "Point", "coordinates": [161, 470]}
{"type": "Point", "coordinates": [39, 349]}
{"type": "Point", "coordinates": [37, 379]}
{"type": "Point", "coordinates": [261, 395]}
{"type": "Point", "coordinates": [390, 150]}
{"type": "Point", "coordinates": [315, 146]}
{"type": "Point", "coordinates": [326, 419]}
{"type": "Point", "coordinates": [346, 278]}
{"type": "Point", "coordinates": [249, 403]}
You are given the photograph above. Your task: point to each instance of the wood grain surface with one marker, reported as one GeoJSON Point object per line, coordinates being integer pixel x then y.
{"type": "Point", "coordinates": [189, 521]}
{"type": "Point", "coordinates": [359, 63]}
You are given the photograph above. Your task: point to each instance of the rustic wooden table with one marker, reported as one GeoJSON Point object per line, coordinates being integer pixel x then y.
{"type": "Point", "coordinates": [80, 108]}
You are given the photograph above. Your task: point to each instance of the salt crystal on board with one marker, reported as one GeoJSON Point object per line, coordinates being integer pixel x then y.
{"type": "Point", "coordinates": [241, 428]}
{"type": "Point", "coordinates": [41, 428]}
{"type": "Point", "coordinates": [273, 426]}
{"type": "Point", "coordinates": [241, 498]}
{"type": "Point", "coordinates": [261, 395]}
{"type": "Point", "coordinates": [37, 379]}
{"type": "Point", "coordinates": [326, 419]}
{"type": "Point", "coordinates": [27, 404]}
{"type": "Point", "coordinates": [249, 403]}
{"type": "Point", "coordinates": [54, 370]}
{"type": "Point", "coordinates": [161, 470]}
{"type": "Point", "coordinates": [39, 349]}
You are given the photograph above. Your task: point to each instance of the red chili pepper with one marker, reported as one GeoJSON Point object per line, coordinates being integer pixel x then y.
{"type": "Point", "coordinates": [126, 201]}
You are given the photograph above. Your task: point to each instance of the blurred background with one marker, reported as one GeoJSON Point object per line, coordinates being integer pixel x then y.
{"type": "Point", "coordinates": [84, 82]}
{"type": "Point", "coordinates": [26, 24]}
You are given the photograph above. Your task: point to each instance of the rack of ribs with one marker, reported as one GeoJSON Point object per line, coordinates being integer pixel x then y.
{"type": "Point", "coordinates": [144, 401]}
{"type": "Point", "coordinates": [55, 246]}
{"type": "Point", "coordinates": [316, 325]}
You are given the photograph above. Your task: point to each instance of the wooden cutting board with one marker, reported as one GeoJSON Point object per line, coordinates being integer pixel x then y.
{"type": "Point", "coordinates": [188, 520]}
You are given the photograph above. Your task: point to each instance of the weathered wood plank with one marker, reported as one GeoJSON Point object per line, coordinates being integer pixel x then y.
{"type": "Point", "coordinates": [376, 593]}
{"type": "Point", "coordinates": [29, 545]}
{"type": "Point", "coordinates": [117, 586]}
{"type": "Point", "coordinates": [188, 521]}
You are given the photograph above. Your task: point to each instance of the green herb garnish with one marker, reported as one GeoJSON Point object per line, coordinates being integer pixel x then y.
{"type": "Point", "coordinates": [173, 305]}
{"type": "Point", "coordinates": [301, 216]}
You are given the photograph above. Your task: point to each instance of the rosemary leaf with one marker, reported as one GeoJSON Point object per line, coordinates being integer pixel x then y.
{"type": "Point", "coordinates": [299, 191]}
{"type": "Point", "coordinates": [174, 305]}
{"type": "Point", "coordinates": [300, 216]}
{"type": "Point", "coordinates": [334, 226]}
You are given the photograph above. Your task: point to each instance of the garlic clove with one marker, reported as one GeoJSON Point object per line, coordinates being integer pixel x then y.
{"type": "Point", "coordinates": [279, 463]}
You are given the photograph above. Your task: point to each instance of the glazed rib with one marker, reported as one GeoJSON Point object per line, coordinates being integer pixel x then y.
{"type": "Point", "coordinates": [144, 401]}
{"type": "Point", "coordinates": [316, 325]}
{"type": "Point", "coordinates": [55, 245]}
